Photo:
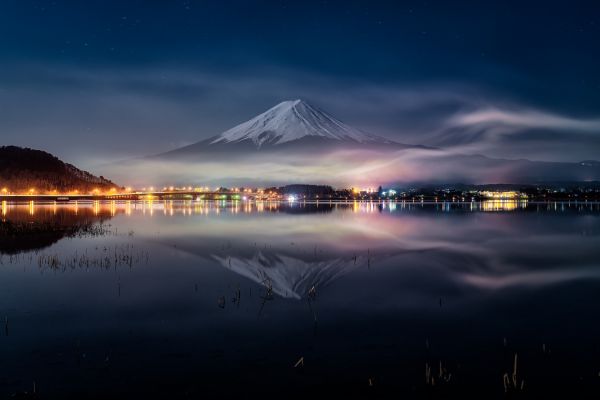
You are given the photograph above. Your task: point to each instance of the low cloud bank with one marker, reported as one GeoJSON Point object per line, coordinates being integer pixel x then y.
{"type": "Point", "coordinates": [344, 169]}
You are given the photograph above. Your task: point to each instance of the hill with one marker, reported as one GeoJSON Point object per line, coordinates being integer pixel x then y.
{"type": "Point", "coordinates": [22, 169]}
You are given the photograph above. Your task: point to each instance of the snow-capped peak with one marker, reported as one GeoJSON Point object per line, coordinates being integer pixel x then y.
{"type": "Point", "coordinates": [292, 120]}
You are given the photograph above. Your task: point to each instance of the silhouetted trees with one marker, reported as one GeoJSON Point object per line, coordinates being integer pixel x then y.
{"type": "Point", "coordinates": [22, 169]}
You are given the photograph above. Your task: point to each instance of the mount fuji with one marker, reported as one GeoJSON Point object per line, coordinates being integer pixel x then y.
{"type": "Point", "coordinates": [293, 124]}
{"type": "Point", "coordinates": [293, 120]}
{"type": "Point", "coordinates": [297, 142]}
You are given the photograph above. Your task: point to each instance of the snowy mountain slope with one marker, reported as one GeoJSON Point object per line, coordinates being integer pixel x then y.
{"type": "Point", "coordinates": [290, 127]}
{"type": "Point", "coordinates": [293, 120]}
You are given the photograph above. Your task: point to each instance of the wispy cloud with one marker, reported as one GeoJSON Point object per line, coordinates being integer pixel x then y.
{"type": "Point", "coordinates": [108, 114]}
{"type": "Point", "coordinates": [522, 120]}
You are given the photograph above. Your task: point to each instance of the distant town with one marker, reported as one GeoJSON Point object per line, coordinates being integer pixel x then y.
{"type": "Point", "coordinates": [305, 192]}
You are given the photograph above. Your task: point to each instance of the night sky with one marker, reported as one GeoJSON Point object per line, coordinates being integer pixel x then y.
{"type": "Point", "coordinates": [94, 81]}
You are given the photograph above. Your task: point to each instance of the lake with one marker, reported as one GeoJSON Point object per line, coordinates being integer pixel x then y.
{"type": "Point", "coordinates": [368, 300]}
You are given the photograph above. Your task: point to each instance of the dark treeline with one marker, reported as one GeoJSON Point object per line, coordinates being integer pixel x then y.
{"type": "Point", "coordinates": [309, 191]}
{"type": "Point", "coordinates": [22, 169]}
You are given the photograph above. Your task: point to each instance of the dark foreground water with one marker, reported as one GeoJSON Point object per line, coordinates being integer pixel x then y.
{"type": "Point", "coordinates": [221, 300]}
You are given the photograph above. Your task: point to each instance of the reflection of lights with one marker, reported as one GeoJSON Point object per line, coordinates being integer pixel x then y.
{"type": "Point", "coordinates": [31, 207]}
{"type": "Point", "coordinates": [4, 208]}
{"type": "Point", "coordinates": [503, 205]}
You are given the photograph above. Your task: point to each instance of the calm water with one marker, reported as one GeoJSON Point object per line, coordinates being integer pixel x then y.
{"type": "Point", "coordinates": [190, 300]}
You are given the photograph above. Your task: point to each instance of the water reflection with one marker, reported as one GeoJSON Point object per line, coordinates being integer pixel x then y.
{"type": "Point", "coordinates": [190, 207]}
{"type": "Point", "coordinates": [299, 245]}
{"type": "Point", "coordinates": [33, 226]}
{"type": "Point", "coordinates": [288, 276]}
{"type": "Point", "coordinates": [503, 205]}
{"type": "Point", "coordinates": [179, 287]}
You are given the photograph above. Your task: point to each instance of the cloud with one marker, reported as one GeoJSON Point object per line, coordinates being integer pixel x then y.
{"type": "Point", "coordinates": [522, 120]}
{"type": "Point", "coordinates": [518, 132]}
{"type": "Point", "coordinates": [109, 114]}
{"type": "Point", "coordinates": [342, 169]}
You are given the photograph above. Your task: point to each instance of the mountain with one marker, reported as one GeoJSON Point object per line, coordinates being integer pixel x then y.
{"type": "Point", "coordinates": [297, 142]}
{"type": "Point", "coordinates": [292, 124]}
{"type": "Point", "coordinates": [293, 120]}
{"type": "Point", "coordinates": [22, 169]}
